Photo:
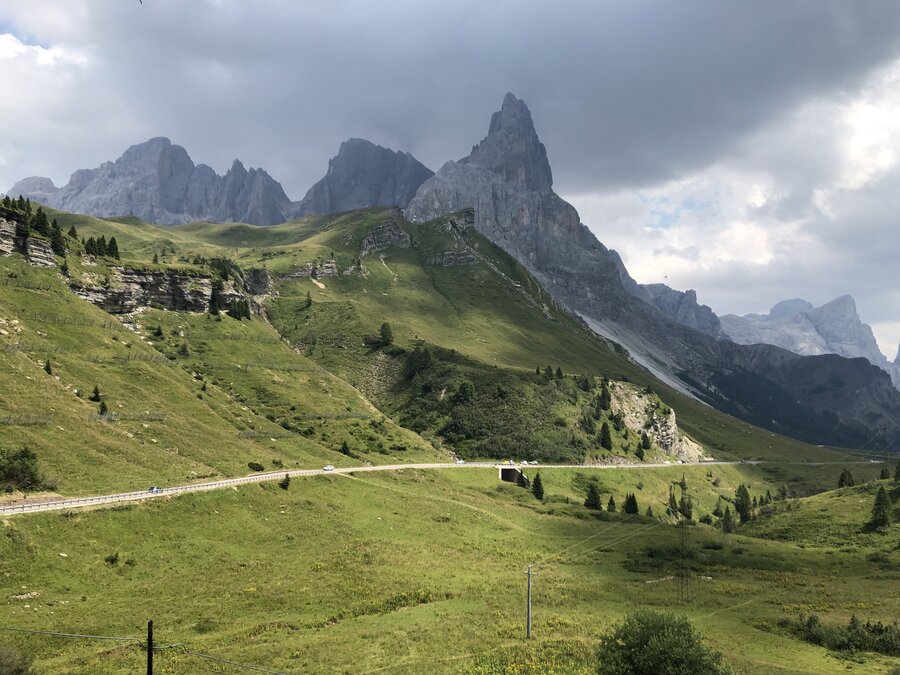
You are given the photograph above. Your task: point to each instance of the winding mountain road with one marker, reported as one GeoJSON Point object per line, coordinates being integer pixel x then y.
{"type": "Point", "coordinates": [85, 502]}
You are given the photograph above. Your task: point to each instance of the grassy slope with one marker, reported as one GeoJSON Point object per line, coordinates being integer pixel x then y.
{"type": "Point", "coordinates": [361, 550]}
{"type": "Point", "coordinates": [213, 576]}
{"type": "Point", "coordinates": [200, 434]}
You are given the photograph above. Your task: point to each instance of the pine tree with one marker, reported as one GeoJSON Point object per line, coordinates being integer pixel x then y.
{"type": "Point", "coordinates": [846, 479]}
{"type": "Point", "coordinates": [559, 373]}
{"type": "Point", "coordinates": [158, 332]}
{"type": "Point", "coordinates": [639, 451]}
{"type": "Point", "coordinates": [73, 233]}
{"type": "Point", "coordinates": [592, 501]}
{"type": "Point", "coordinates": [611, 504]}
{"type": "Point", "coordinates": [112, 249]}
{"type": "Point", "coordinates": [537, 370]}
{"type": "Point", "coordinates": [645, 440]}
{"type": "Point", "coordinates": [184, 349]}
{"type": "Point", "coordinates": [386, 333]}
{"type": "Point", "coordinates": [742, 503]}
{"type": "Point", "coordinates": [522, 480]}
{"type": "Point", "coordinates": [649, 513]}
{"type": "Point", "coordinates": [57, 242]}
{"type": "Point", "coordinates": [686, 506]}
{"type": "Point", "coordinates": [155, 258]}
{"type": "Point", "coordinates": [755, 503]}
{"type": "Point", "coordinates": [717, 512]}
{"type": "Point", "coordinates": [308, 300]}
{"type": "Point", "coordinates": [47, 367]}
{"type": "Point", "coordinates": [605, 437]}
{"type": "Point", "coordinates": [672, 508]}
{"type": "Point", "coordinates": [882, 513]}
{"type": "Point", "coordinates": [39, 222]}
{"type": "Point", "coordinates": [885, 474]}
{"type": "Point", "coordinates": [64, 268]}
{"type": "Point", "coordinates": [630, 505]}
{"type": "Point", "coordinates": [728, 520]}
{"type": "Point", "coordinates": [103, 408]}
{"type": "Point", "coordinates": [537, 487]}
{"type": "Point", "coordinates": [548, 372]}
{"type": "Point", "coordinates": [605, 398]}
{"type": "Point", "coordinates": [95, 396]}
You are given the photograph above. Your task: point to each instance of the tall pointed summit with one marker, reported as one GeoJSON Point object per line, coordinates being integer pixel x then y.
{"type": "Point", "coordinates": [512, 148]}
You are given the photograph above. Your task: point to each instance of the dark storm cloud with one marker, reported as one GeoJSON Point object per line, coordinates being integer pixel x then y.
{"type": "Point", "coordinates": [623, 93]}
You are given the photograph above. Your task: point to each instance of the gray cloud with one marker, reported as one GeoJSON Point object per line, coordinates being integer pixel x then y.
{"type": "Point", "coordinates": [626, 97]}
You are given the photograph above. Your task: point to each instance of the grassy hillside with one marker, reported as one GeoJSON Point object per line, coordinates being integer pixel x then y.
{"type": "Point", "coordinates": [174, 418]}
{"type": "Point", "coordinates": [425, 569]}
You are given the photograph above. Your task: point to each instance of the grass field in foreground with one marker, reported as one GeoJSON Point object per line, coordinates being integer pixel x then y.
{"type": "Point", "coordinates": [413, 572]}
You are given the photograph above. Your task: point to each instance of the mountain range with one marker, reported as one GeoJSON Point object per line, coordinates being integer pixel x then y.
{"type": "Point", "coordinates": [508, 181]}
{"type": "Point", "coordinates": [158, 182]}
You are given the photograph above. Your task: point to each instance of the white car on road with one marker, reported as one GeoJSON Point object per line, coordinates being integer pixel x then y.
{"type": "Point", "coordinates": [328, 467]}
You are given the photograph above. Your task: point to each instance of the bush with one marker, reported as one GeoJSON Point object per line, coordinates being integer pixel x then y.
{"type": "Point", "coordinates": [256, 466]}
{"type": "Point", "coordinates": [112, 559]}
{"type": "Point", "coordinates": [285, 482]}
{"type": "Point", "coordinates": [656, 643]}
{"type": "Point", "coordinates": [14, 662]}
{"type": "Point", "coordinates": [19, 469]}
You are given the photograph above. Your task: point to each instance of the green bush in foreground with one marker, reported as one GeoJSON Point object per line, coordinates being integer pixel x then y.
{"type": "Point", "coordinates": [656, 643]}
{"type": "Point", "coordinates": [14, 662]}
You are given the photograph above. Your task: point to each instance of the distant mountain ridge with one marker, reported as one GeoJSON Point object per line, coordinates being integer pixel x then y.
{"type": "Point", "coordinates": [158, 182]}
{"type": "Point", "coordinates": [798, 326]}
{"type": "Point", "coordinates": [363, 174]}
{"type": "Point", "coordinates": [507, 180]}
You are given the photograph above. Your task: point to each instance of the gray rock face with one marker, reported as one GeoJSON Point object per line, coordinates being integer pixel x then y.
{"type": "Point", "coordinates": [363, 174]}
{"type": "Point", "coordinates": [35, 187]}
{"type": "Point", "coordinates": [383, 235]}
{"type": "Point", "coordinates": [681, 307]}
{"type": "Point", "coordinates": [36, 251]}
{"type": "Point", "coordinates": [158, 182]}
{"type": "Point", "coordinates": [507, 181]}
{"type": "Point", "coordinates": [795, 325]}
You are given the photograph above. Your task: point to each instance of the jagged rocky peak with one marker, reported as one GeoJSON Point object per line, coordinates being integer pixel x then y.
{"type": "Point", "coordinates": [680, 306]}
{"type": "Point", "coordinates": [790, 308]}
{"type": "Point", "coordinates": [363, 174]}
{"type": "Point", "coordinates": [512, 148]}
{"type": "Point", "coordinates": [157, 181]}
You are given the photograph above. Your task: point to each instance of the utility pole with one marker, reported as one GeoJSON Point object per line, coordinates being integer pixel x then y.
{"type": "Point", "coordinates": [528, 608]}
{"type": "Point", "coordinates": [150, 647]}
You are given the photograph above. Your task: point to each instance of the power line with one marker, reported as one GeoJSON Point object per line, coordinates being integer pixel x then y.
{"type": "Point", "coordinates": [71, 635]}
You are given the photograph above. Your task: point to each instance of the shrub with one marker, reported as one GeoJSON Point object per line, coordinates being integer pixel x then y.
{"type": "Point", "coordinates": [14, 662]}
{"type": "Point", "coordinates": [656, 643]}
{"type": "Point", "coordinates": [256, 466]}
{"type": "Point", "coordinates": [112, 559]}
{"type": "Point", "coordinates": [19, 469]}
{"type": "Point", "coordinates": [285, 482]}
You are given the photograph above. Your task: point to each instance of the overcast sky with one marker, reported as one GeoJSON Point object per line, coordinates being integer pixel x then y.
{"type": "Point", "coordinates": [749, 150]}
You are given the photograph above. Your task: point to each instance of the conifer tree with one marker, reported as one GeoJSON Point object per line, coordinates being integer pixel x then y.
{"type": "Point", "coordinates": [611, 504]}
{"type": "Point", "coordinates": [95, 396]}
{"type": "Point", "coordinates": [522, 481]}
{"type": "Point", "coordinates": [884, 473]}
{"type": "Point", "coordinates": [742, 503]}
{"type": "Point", "coordinates": [717, 512]}
{"type": "Point", "coordinates": [592, 501]}
{"type": "Point", "coordinates": [728, 520]}
{"type": "Point", "coordinates": [672, 508]}
{"type": "Point", "coordinates": [649, 513]}
{"type": "Point", "coordinates": [846, 479]}
{"type": "Point", "coordinates": [686, 506]}
{"type": "Point", "coordinates": [103, 408]}
{"type": "Point", "coordinates": [57, 242]}
{"type": "Point", "coordinates": [537, 487]}
{"type": "Point", "coordinates": [308, 300]}
{"type": "Point", "coordinates": [645, 440]}
{"type": "Point", "coordinates": [112, 249]}
{"type": "Point", "coordinates": [559, 373]}
{"type": "Point", "coordinates": [47, 367]}
{"type": "Point", "coordinates": [882, 513]}
{"type": "Point", "coordinates": [73, 233]}
{"type": "Point", "coordinates": [386, 333]}
{"type": "Point", "coordinates": [639, 451]}
{"type": "Point", "coordinates": [630, 505]}
{"type": "Point", "coordinates": [605, 437]}
{"type": "Point", "coordinates": [605, 397]}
